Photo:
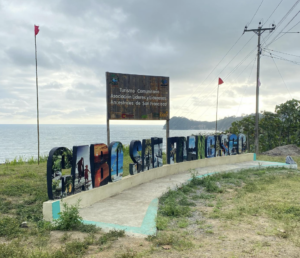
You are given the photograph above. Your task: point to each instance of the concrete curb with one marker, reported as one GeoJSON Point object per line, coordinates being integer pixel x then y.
{"type": "Point", "coordinates": [51, 208]}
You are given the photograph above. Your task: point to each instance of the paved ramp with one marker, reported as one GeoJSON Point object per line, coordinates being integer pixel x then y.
{"type": "Point", "coordinates": [134, 210]}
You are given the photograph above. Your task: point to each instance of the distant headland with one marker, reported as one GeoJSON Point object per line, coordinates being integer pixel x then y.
{"type": "Point", "coordinates": [183, 123]}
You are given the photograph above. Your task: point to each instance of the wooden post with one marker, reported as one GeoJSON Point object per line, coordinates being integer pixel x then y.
{"type": "Point", "coordinates": [107, 114]}
{"type": "Point", "coordinates": [107, 132]}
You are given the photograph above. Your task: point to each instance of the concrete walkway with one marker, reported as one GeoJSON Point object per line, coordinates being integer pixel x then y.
{"type": "Point", "coordinates": [134, 210]}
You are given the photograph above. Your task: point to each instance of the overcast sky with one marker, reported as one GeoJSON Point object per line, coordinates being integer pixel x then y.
{"type": "Point", "coordinates": [186, 40]}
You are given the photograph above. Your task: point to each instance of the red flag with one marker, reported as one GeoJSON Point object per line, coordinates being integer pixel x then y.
{"type": "Point", "coordinates": [36, 29]}
{"type": "Point", "coordinates": [220, 81]}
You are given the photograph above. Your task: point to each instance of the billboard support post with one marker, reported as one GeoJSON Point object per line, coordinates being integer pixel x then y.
{"type": "Point", "coordinates": [107, 115]}
{"type": "Point", "coordinates": [167, 129]}
{"type": "Point", "coordinates": [108, 132]}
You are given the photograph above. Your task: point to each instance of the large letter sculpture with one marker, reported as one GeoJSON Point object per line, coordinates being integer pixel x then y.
{"type": "Point", "coordinates": [172, 150]}
{"type": "Point", "coordinates": [135, 149]}
{"type": "Point", "coordinates": [201, 147]}
{"type": "Point", "coordinates": [210, 146]}
{"type": "Point", "coordinates": [181, 154]}
{"type": "Point", "coordinates": [115, 151]}
{"type": "Point", "coordinates": [59, 185]}
{"type": "Point", "coordinates": [224, 144]}
{"type": "Point", "coordinates": [157, 152]}
{"type": "Point", "coordinates": [192, 148]}
{"type": "Point", "coordinates": [233, 144]}
{"type": "Point", "coordinates": [147, 154]}
{"type": "Point", "coordinates": [241, 143]}
{"type": "Point", "coordinates": [99, 167]}
{"type": "Point", "coordinates": [81, 169]}
{"type": "Point", "coordinates": [218, 146]}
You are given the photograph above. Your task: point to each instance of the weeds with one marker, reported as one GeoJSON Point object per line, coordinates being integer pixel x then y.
{"type": "Point", "coordinates": [69, 219]}
{"type": "Point", "coordinates": [110, 236]}
{"type": "Point", "coordinates": [174, 240]}
{"type": "Point", "coordinates": [9, 227]}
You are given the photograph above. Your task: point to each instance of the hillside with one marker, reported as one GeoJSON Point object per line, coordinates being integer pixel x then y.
{"type": "Point", "coordinates": [183, 123]}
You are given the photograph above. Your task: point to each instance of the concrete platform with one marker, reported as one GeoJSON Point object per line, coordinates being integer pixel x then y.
{"type": "Point", "coordinates": [134, 210]}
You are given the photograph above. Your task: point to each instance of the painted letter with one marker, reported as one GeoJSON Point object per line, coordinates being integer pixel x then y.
{"type": "Point", "coordinates": [99, 166]}
{"type": "Point", "coordinates": [171, 149]}
{"type": "Point", "coordinates": [81, 169]}
{"type": "Point", "coordinates": [224, 144]}
{"type": "Point", "coordinates": [191, 148]}
{"type": "Point", "coordinates": [135, 149]}
{"type": "Point", "coordinates": [242, 143]}
{"type": "Point", "coordinates": [115, 151]}
{"type": "Point", "coordinates": [59, 158]}
{"type": "Point", "coordinates": [210, 146]}
{"type": "Point", "coordinates": [147, 154]}
{"type": "Point", "coordinates": [157, 152]}
{"type": "Point", "coordinates": [201, 146]}
{"type": "Point", "coordinates": [233, 144]}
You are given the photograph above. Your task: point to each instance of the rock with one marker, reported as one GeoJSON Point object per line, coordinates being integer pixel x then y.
{"type": "Point", "coordinates": [24, 224]}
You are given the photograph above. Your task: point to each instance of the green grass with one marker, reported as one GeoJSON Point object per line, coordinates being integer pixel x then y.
{"type": "Point", "coordinates": [268, 192]}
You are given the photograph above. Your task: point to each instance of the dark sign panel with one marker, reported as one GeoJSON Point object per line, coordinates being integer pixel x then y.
{"type": "Point", "coordinates": [137, 97]}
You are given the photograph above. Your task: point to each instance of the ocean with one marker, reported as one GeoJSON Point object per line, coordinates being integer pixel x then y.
{"type": "Point", "coordinates": [21, 140]}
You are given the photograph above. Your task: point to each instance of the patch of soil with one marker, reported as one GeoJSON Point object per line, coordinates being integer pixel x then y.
{"type": "Point", "coordinates": [286, 150]}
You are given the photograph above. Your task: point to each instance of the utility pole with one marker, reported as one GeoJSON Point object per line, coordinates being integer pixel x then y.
{"type": "Point", "coordinates": [258, 32]}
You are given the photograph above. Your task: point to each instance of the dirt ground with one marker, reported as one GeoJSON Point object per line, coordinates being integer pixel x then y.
{"type": "Point", "coordinates": [286, 150]}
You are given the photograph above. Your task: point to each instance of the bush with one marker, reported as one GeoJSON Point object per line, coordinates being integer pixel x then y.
{"type": "Point", "coordinates": [71, 220]}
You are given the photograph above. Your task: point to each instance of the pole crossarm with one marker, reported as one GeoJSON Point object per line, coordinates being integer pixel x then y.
{"type": "Point", "coordinates": [260, 30]}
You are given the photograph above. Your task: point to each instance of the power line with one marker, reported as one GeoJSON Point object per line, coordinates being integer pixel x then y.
{"type": "Point", "coordinates": [284, 59]}
{"type": "Point", "coordinates": [281, 76]}
{"type": "Point", "coordinates": [268, 50]}
{"type": "Point", "coordinates": [213, 69]}
{"type": "Point", "coordinates": [288, 30]}
{"type": "Point", "coordinates": [183, 106]}
{"type": "Point", "coordinates": [256, 12]}
{"type": "Point", "coordinates": [278, 36]}
{"type": "Point", "coordinates": [207, 94]}
{"type": "Point", "coordinates": [248, 79]}
{"type": "Point", "coordinates": [283, 18]}
{"type": "Point", "coordinates": [225, 68]}
{"type": "Point", "coordinates": [273, 12]}
{"type": "Point", "coordinates": [213, 90]}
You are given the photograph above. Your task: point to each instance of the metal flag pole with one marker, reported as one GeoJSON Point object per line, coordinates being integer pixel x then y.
{"type": "Point", "coordinates": [37, 94]}
{"type": "Point", "coordinates": [217, 108]}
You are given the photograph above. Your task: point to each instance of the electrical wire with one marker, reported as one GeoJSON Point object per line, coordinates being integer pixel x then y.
{"type": "Point", "coordinates": [226, 77]}
{"type": "Point", "coordinates": [281, 77]}
{"type": "Point", "coordinates": [248, 80]}
{"type": "Point", "coordinates": [184, 105]}
{"type": "Point", "coordinates": [283, 59]}
{"type": "Point", "coordinates": [255, 12]}
{"type": "Point", "coordinates": [273, 12]}
{"type": "Point", "coordinates": [278, 36]}
{"type": "Point", "coordinates": [283, 18]}
{"type": "Point", "coordinates": [283, 33]}
{"type": "Point", "coordinates": [268, 50]}
{"type": "Point", "coordinates": [212, 71]}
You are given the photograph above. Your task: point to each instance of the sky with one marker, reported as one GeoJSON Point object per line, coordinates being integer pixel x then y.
{"type": "Point", "coordinates": [193, 42]}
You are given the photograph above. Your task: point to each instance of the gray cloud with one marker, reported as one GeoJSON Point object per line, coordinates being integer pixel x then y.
{"type": "Point", "coordinates": [80, 40]}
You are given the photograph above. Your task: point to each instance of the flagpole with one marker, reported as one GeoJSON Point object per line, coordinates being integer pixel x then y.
{"type": "Point", "coordinates": [217, 108]}
{"type": "Point", "coordinates": [37, 100]}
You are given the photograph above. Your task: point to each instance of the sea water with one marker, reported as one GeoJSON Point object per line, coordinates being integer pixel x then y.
{"type": "Point", "coordinates": [21, 140]}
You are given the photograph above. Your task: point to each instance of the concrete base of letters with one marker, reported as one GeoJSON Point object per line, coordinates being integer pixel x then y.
{"type": "Point", "coordinates": [131, 203]}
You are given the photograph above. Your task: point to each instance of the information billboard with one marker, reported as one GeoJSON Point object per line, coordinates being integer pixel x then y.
{"type": "Point", "coordinates": [137, 97]}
